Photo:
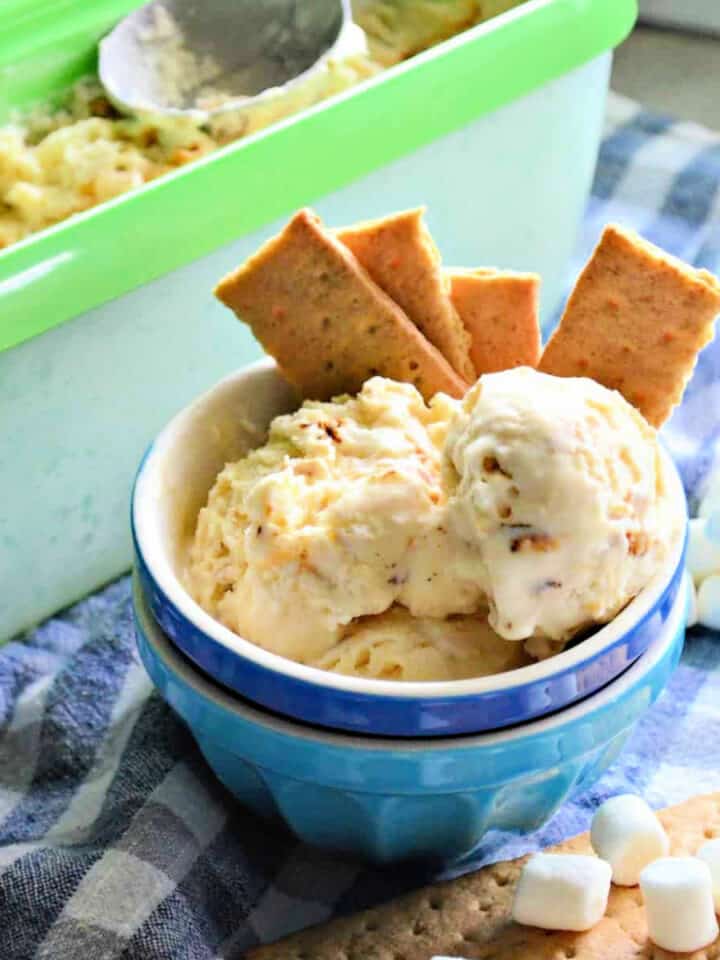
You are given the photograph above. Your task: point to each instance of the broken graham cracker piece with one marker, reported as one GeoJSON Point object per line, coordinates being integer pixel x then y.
{"type": "Point", "coordinates": [400, 256]}
{"type": "Point", "coordinates": [329, 327]}
{"type": "Point", "coordinates": [635, 322]}
{"type": "Point", "coordinates": [499, 309]}
{"type": "Point", "coordinates": [471, 916]}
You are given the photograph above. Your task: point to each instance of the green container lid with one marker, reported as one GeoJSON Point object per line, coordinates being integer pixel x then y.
{"type": "Point", "coordinates": [95, 256]}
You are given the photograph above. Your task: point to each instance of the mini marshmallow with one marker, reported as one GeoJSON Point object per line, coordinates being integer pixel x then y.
{"type": "Point", "coordinates": [627, 834]}
{"type": "Point", "coordinates": [703, 556]}
{"type": "Point", "coordinates": [679, 903]}
{"type": "Point", "coordinates": [710, 853]}
{"type": "Point", "coordinates": [708, 602]}
{"type": "Point", "coordinates": [562, 891]}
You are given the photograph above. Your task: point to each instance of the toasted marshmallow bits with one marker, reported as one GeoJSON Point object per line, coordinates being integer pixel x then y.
{"type": "Point", "coordinates": [562, 891]}
{"type": "Point", "coordinates": [627, 834]}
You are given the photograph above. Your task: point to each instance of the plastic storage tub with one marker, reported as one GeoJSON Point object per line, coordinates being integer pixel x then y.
{"type": "Point", "coordinates": [107, 321]}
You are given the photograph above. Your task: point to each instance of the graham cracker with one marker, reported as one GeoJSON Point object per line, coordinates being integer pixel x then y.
{"type": "Point", "coordinates": [635, 322]}
{"type": "Point", "coordinates": [471, 916]}
{"type": "Point", "coordinates": [499, 309]}
{"type": "Point", "coordinates": [329, 327]}
{"type": "Point", "coordinates": [400, 256]}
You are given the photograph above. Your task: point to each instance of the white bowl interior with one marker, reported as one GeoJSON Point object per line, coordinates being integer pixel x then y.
{"type": "Point", "coordinates": [223, 425]}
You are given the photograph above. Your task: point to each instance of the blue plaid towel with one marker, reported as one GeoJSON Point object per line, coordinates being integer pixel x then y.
{"type": "Point", "coordinates": [116, 842]}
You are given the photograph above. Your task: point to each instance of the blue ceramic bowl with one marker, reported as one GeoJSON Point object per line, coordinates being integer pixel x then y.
{"type": "Point", "coordinates": [172, 485]}
{"type": "Point", "coordinates": [390, 799]}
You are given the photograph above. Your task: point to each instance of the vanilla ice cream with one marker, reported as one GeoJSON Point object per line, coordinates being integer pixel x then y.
{"type": "Point", "coordinates": [560, 485]}
{"type": "Point", "coordinates": [342, 514]}
{"type": "Point", "coordinates": [397, 646]}
{"type": "Point", "coordinates": [371, 535]}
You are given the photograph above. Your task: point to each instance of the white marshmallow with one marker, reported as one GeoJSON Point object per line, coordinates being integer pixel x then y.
{"type": "Point", "coordinates": [627, 834]}
{"type": "Point", "coordinates": [710, 853]}
{"type": "Point", "coordinates": [691, 617]}
{"type": "Point", "coordinates": [703, 556]}
{"type": "Point", "coordinates": [562, 891]}
{"type": "Point", "coordinates": [708, 602]}
{"type": "Point", "coordinates": [679, 903]}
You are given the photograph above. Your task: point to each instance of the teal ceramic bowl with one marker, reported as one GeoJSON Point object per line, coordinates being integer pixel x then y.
{"type": "Point", "coordinates": [389, 799]}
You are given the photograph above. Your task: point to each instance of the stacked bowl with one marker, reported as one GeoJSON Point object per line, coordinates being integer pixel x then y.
{"type": "Point", "coordinates": [381, 768]}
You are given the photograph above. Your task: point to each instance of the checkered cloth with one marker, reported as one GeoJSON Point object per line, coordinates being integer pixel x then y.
{"type": "Point", "coordinates": [115, 841]}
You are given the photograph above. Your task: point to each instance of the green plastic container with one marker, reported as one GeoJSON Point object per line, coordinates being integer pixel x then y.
{"type": "Point", "coordinates": [107, 322]}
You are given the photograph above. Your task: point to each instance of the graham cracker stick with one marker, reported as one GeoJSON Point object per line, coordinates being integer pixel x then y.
{"type": "Point", "coordinates": [499, 309]}
{"type": "Point", "coordinates": [471, 916]}
{"type": "Point", "coordinates": [635, 322]}
{"type": "Point", "coordinates": [329, 327]}
{"type": "Point", "coordinates": [400, 256]}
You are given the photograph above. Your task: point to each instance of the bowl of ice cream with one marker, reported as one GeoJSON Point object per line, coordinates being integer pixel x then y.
{"type": "Point", "coordinates": [390, 799]}
{"type": "Point", "coordinates": [386, 566]}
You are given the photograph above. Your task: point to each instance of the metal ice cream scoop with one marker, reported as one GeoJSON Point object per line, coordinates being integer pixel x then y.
{"type": "Point", "coordinates": [204, 57]}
